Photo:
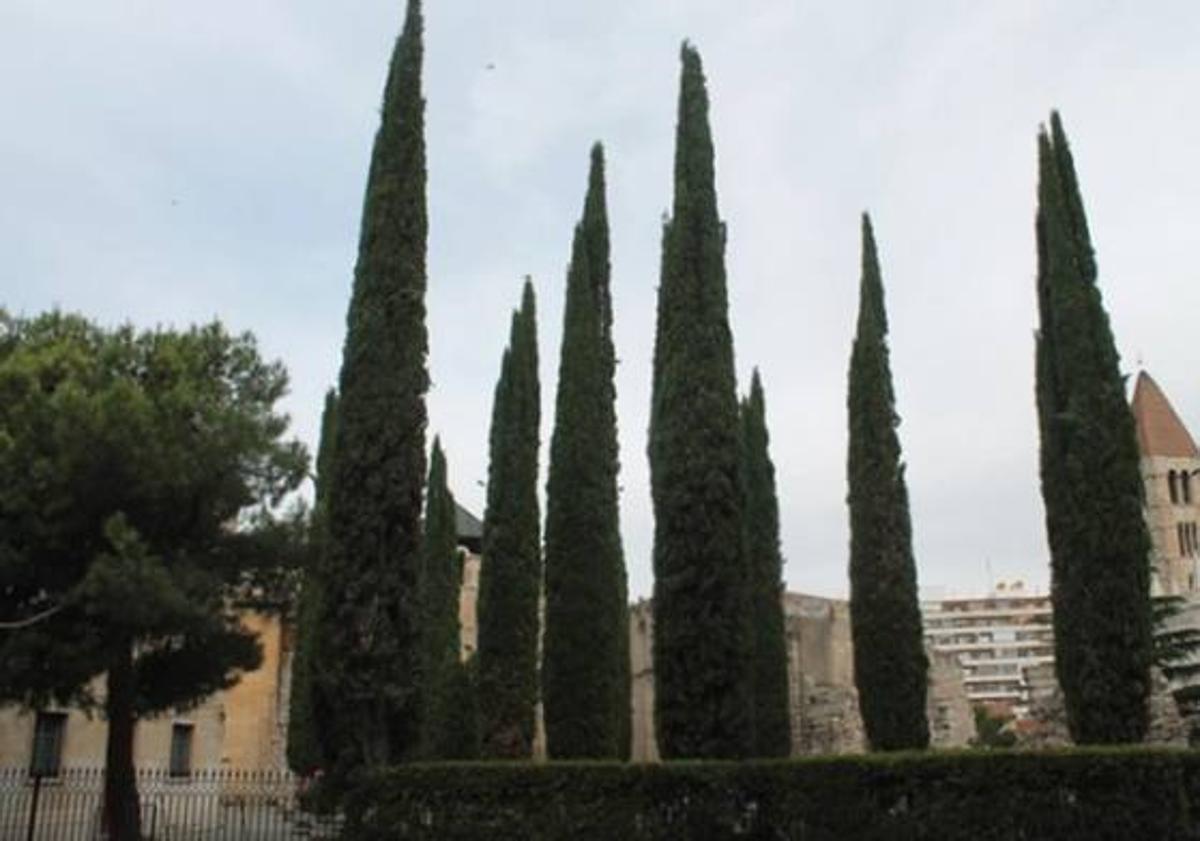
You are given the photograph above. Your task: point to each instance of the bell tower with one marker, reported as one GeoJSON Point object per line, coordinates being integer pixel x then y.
{"type": "Point", "coordinates": [1170, 464]}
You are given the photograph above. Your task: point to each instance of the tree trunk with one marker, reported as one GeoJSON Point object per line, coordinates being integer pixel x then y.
{"type": "Point", "coordinates": [122, 818]}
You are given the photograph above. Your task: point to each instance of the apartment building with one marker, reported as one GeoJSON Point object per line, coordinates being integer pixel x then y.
{"type": "Point", "coordinates": [996, 639]}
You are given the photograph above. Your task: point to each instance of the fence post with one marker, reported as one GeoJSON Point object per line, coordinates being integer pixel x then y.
{"type": "Point", "coordinates": [33, 805]}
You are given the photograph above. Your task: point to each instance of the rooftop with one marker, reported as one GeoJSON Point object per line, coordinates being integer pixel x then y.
{"type": "Point", "coordinates": [1160, 431]}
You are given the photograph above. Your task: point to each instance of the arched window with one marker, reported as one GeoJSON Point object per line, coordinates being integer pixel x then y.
{"type": "Point", "coordinates": [1185, 486]}
{"type": "Point", "coordinates": [1189, 539]}
{"type": "Point", "coordinates": [1172, 487]}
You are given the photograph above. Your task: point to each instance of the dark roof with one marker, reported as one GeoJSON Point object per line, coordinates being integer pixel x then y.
{"type": "Point", "coordinates": [466, 524]}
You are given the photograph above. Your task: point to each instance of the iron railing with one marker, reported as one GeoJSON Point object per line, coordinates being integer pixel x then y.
{"type": "Point", "coordinates": [210, 805]}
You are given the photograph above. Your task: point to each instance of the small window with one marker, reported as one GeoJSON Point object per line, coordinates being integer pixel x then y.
{"type": "Point", "coordinates": [1185, 486]}
{"type": "Point", "coordinates": [1189, 539]}
{"type": "Point", "coordinates": [181, 750]}
{"type": "Point", "coordinates": [48, 744]}
{"type": "Point", "coordinates": [1172, 487]}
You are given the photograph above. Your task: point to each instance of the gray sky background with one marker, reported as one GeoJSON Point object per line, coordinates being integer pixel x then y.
{"type": "Point", "coordinates": [168, 162]}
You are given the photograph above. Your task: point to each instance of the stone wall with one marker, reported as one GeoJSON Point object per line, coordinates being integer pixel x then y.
{"type": "Point", "coordinates": [951, 719]}
{"type": "Point", "coordinates": [824, 704]}
{"type": "Point", "coordinates": [641, 641]}
{"type": "Point", "coordinates": [1047, 725]}
{"type": "Point", "coordinates": [242, 727]}
{"type": "Point", "coordinates": [1174, 573]}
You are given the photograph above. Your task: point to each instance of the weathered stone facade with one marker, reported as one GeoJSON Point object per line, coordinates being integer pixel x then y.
{"type": "Point", "coordinates": [1170, 466]}
{"type": "Point", "coordinates": [951, 718]}
{"type": "Point", "coordinates": [824, 703]}
{"type": "Point", "coordinates": [1047, 724]}
{"type": "Point", "coordinates": [244, 727]}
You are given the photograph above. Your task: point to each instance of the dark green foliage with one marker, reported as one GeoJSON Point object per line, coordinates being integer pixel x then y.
{"type": "Point", "coordinates": [993, 729]}
{"type": "Point", "coordinates": [760, 506]}
{"type": "Point", "coordinates": [890, 665]}
{"type": "Point", "coordinates": [370, 616]}
{"type": "Point", "coordinates": [1091, 485]}
{"type": "Point", "coordinates": [304, 752]}
{"type": "Point", "coordinates": [1110, 795]}
{"type": "Point", "coordinates": [510, 576]}
{"type": "Point", "coordinates": [1176, 641]}
{"type": "Point", "coordinates": [702, 636]}
{"type": "Point", "coordinates": [461, 717]}
{"type": "Point", "coordinates": [124, 457]}
{"type": "Point", "coordinates": [442, 672]}
{"type": "Point", "coordinates": [585, 675]}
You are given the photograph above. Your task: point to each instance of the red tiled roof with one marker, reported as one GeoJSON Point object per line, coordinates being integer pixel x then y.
{"type": "Point", "coordinates": [1160, 431]}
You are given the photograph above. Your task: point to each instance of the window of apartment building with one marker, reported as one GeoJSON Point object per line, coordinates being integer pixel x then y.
{"type": "Point", "coordinates": [181, 750]}
{"type": "Point", "coordinates": [48, 731]}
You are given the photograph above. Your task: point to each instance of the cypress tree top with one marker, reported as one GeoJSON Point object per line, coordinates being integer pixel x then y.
{"type": "Point", "coordinates": [441, 577]}
{"type": "Point", "coordinates": [890, 665]}
{"type": "Point", "coordinates": [772, 724]}
{"type": "Point", "coordinates": [586, 650]}
{"type": "Point", "coordinates": [308, 741]}
{"type": "Point", "coordinates": [375, 493]}
{"type": "Point", "coordinates": [1091, 482]}
{"type": "Point", "coordinates": [702, 637]}
{"type": "Point", "coordinates": [511, 572]}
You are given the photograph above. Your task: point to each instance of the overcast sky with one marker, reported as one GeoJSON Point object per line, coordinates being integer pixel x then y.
{"type": "Point", "coordinates": [170, 162]}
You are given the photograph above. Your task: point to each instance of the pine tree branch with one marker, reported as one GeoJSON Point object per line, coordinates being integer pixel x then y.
{"type": "Point", "coordinates": [17, 624]}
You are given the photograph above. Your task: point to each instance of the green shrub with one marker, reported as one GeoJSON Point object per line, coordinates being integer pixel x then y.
{"type": "Point", "coordinates": [1126, 794]}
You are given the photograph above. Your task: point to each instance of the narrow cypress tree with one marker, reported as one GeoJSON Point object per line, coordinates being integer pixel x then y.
{"type": "Point", "coordinates": [304, 752]}
{"type": "Point", "coordinates": [702, 638]}
{"type": "Point", "coordinates": [586, 661]}
{"type": "Point", "coordinates": [772, 725]}
{"type": "Point", "coordinates": [1091, 485]}
{"type": "Point", "coordinates": [890, 665]}
{"type": "Point", "coordinates": [462, 712]}
{"type": "Point", "coordinates": [442, 671]}
{"type": "Point", "coordinates": [371, 619]}
{"type": "Point", "coordinates": [511, 573]}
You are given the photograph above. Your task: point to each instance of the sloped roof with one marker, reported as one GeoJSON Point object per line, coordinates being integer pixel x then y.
{"type": "Point", "coordinates": [466, 524]}
{"type": "Point", "coordinates": [1160, 431]}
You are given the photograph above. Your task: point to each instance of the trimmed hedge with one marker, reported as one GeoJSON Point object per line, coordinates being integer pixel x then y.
{"type": "Point", "coordinates": [1127, 794]}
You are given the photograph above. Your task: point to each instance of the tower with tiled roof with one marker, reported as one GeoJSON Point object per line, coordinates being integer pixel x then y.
{"type": "Point", "coordinates": [1171, 473]}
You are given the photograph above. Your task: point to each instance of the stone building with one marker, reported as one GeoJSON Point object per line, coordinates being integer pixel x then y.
{"type": "Point", "coordinates": [243, 727]}
{"type": "Point", "coordinates": [823, 701]}
{"type": "Point", "coordinates": [1170, 469]}
{"type": "Point", "coordinates": [1171, 474]}
{"type": "Point", "coordinates": [996, 639]}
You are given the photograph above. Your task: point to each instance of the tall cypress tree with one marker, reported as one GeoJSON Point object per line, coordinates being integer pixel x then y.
{"type": "Point", "coordinates": [586, 661]}
{"type": "Point", "coordinates": [1091, 485]}
{"type": "Point", "coordinates": [702, 638]}
{"type": "Point", "coordinates": [760, 506]}
{"type": "Point", "coordinates": [440, 585]}
{"type": "Point", "coordinates": [370, 627]}
{"type": "Point", "coordinates": [510, 577]}
{"type": "Point", "coordinates": [890, 665]}
{"type": "Point", "coordinates": [305, 723]}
